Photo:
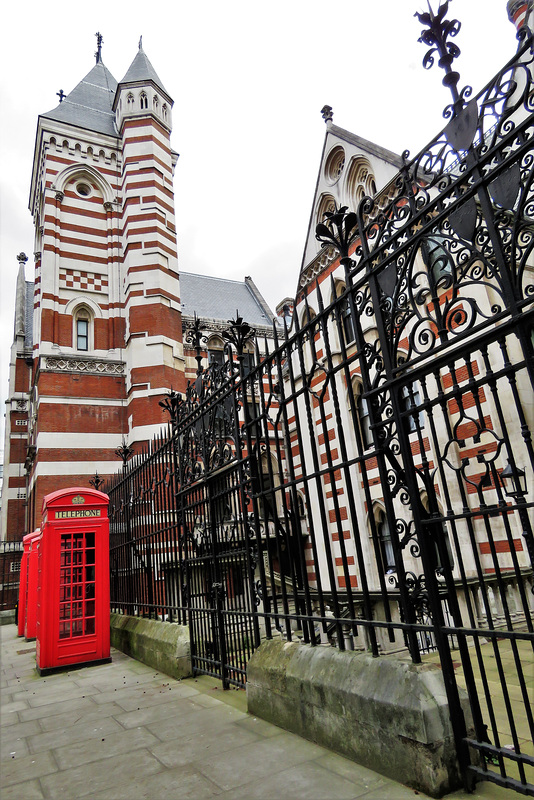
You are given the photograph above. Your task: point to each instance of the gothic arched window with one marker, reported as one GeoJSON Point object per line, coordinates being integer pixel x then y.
{"type": "Point", "coordinates": [82, 329]}
{"type": "Point", "coordinates": [362, 412]}
{"type": "Point", "coordinates": [384, 540]}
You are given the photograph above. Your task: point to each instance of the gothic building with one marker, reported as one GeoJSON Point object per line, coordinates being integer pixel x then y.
{"type": "Point", "coordinates": [98, 337]}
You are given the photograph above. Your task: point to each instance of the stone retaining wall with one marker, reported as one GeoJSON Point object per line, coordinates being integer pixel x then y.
{"type": "Point", "coordinates": [385, 713]}
{"type": "Point", "coordinates": [162, 645]}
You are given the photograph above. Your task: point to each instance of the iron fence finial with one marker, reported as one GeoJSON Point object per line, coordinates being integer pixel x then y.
{"type": "Point", "coordinates": [437, 34]}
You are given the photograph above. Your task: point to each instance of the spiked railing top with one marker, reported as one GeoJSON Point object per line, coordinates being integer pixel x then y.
{"type": "Point", "coordinates": [437, 35]}
{"type": "Point", "coordinates": [124, 452]}
{"type": "Point", "coordinates": [238, 334]}
{"type": "Point", "coordinates": [339, 229]}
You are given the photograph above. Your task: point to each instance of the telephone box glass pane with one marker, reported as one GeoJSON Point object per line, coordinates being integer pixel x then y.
{"type": "Point", "coordinates": [77, 576]}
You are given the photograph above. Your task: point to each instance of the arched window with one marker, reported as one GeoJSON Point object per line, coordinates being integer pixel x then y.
{"type": "Point", "coordinates": [82, 329]}
{"type": "Point", "coordinates": [410, 402]}
{"type": "Point", "coordinates": [249, 360]}
{"type": "Point", "coordinates": [442, 542]}
{"type": "Point", "coordinates": [362, 412]}
{"type": "Point", "coordinates": [269, 500]}
{"type": "Point", "coordinates": [384, 540]}
{"type": "Point", "coordinates": [164, 110]}
{"type": "Point", "coordinates": [437, 259]}
{"type": "Point", "coordinates": [215, 351]}
{"type": "Point", "coordinates": [345, 313]}
{"type": "Point", "coordinates": [143, 100]}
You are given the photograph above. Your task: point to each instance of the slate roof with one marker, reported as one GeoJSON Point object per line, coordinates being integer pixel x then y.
{"type": "Point", "coordinates": [90, 104]}
{"type": "Point", "coordinates": [220, 298]}
{"type": "Point", "coordinates": [142, 70]}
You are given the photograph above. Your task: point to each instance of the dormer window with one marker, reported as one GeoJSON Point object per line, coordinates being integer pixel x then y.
{"type": "Point", "coordinates": [143, 99]}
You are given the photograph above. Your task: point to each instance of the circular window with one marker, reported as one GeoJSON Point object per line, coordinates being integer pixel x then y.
{"type": "Point", "coordinates": [335, 164]}
{"type": "Point", "coordinates": [83, 189]}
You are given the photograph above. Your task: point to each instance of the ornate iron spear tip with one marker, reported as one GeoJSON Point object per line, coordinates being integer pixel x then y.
{"type": "Point", "coordinates": [339, 229]}
{"type": "Point", "coordinates": [238, 334]}
{"type": "Point", "coordinates": [170, 404]}
{"type": "Point", "coordinates": [440, 30]}
{"type": "Point", "coordinates": [124, 452]}
{"type": "Point", "coordinates": [96, 481]}
{"type": "Point", "coordinates": [195, 338]}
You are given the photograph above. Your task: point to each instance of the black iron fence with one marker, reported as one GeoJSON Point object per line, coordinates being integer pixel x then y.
{"type": "Point", "coordinates": [10, 559]}
{"type": "Point", "coordinates": [367, 479]}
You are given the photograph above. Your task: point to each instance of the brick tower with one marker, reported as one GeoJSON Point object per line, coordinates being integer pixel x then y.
{"type": "Point", "coordinates": [153, 337]}
{"type": "Point", "coordinates": [105, 343]}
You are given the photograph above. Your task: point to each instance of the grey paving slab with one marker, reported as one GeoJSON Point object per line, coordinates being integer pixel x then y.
{"type": "Point", "coordinates": [73, 706]}
{"type": "Point", "coordinates": [132, 698]}
{"type": "Point", "coordinates": [66, 719]}
{"type": "Point", "coordinates": [259, 760]}
{"type": "Point", "coordinates": [47, 697]}
{"type": "Point", "coordinates": [307, 781]}
{"type": "Point", "coordinates": [207, 720]}
{"type": "Point", "coordinates": [104, 747]}
{"type": "Point", "coordinates": [258, 726]}
{"type": "Point", "coordinates": [81, 732]}
{"type": "Point", "coordinates": [15, 747]}
{"type": "Point", "coordinates": [26, 768]}
{"type": "Point", "coordinates": [360, 776]}
{"type": "Point", "coordinates": [177, 784]}
{"type": "Point", "coordinates": [46, 690]}
{"type": "Point", "coordinates": [181, 707]}
{"type": "Point", "coordinates": [19, 729]}
{"type": "Point", "coordinates": [200, 748]}
{"type": "Point", "coordinates": [28, 790]}
{"type": "Point", "coordinates": [12, 708]}
{"type": "Point", "coordinates": [89, 779]}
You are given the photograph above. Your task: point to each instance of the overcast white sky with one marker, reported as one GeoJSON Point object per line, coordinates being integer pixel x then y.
{"type": "Point", "coordinates": [248, 81]}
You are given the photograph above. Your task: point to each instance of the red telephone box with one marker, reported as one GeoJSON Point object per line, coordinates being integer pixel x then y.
{"type": "Point", "coordinates": [30, 611]}
{"type": "Point", "coordinates": [23, 585]}
{"type": "Point", "coordinates": [73, 596]}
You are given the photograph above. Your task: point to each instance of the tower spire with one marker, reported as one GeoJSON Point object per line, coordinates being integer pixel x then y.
{"type": "Point", "coordinates": [99, 42]}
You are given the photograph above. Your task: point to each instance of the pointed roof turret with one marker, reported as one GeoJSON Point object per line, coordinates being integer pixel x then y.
{"type": "Point", "coordinates": [90, 104]}
{"type": "Point", "coordinates": [141, 70]}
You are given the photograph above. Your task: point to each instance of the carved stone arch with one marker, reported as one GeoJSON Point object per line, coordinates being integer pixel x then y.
{"type": "Point", "coordinates": [84, 171]}
{"type": "Point", "coordinates": [77, 303]}
{"type": "Point", "coordinates": [326, 204]}
{"type": "Point", "coordinates": [360, 181]}
{"type": "Point", "coordinates": [307, 314]}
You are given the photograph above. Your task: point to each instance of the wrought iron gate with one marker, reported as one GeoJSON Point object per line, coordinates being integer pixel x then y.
{"type": "Point", "coordinates": [219, 573]}
{"type": "Point", "coordinates": [368, 481]}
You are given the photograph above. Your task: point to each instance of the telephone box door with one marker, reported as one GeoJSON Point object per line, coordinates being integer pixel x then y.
{"type": "Point", "coordinates": [74, 578]}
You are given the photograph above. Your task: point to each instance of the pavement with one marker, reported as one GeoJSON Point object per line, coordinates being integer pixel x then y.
{"type": "Point", "coordinates": [123, 731]}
